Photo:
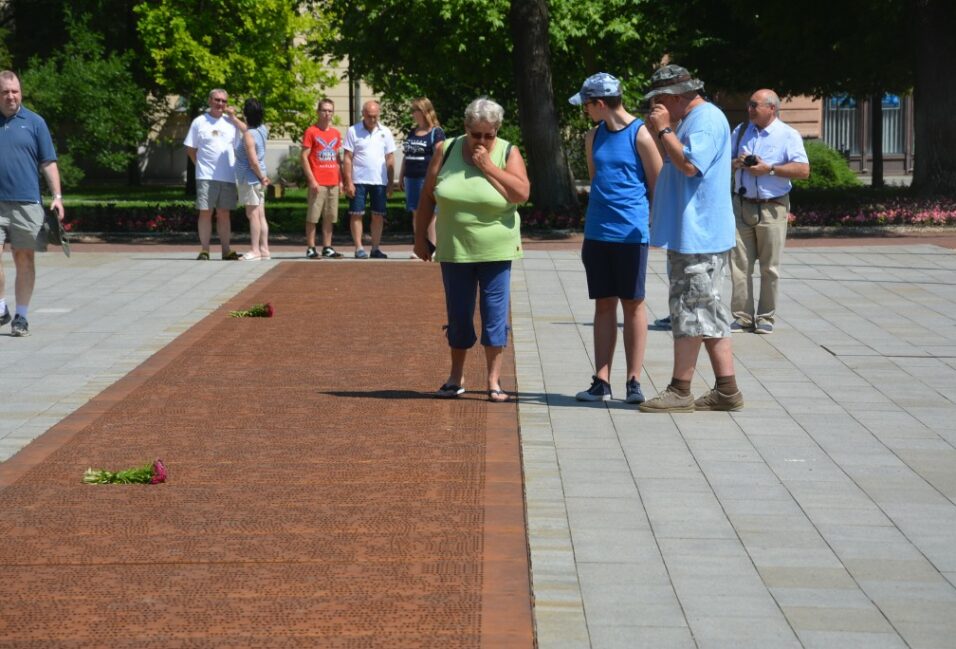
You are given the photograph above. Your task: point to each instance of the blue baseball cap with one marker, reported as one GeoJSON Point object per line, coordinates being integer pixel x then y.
{"type": "Point", "coordinates": [601, 84]}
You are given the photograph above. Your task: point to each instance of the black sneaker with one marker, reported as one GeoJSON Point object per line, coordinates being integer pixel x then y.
{"type": "Point", "coordinates": [599, 391]}
{"type": "Point", "coordinates": [634, 394]}
{"type": "Point", "coordinates": [311, 253]}
{"type": "Point", "coordinates": [5, 318]}
{"type": "Point", "coordinates": [328, 252]}
{"type": "Point", "coordinates": [378, 254]}
{"type": "Point", "coordinates": [20, 327]}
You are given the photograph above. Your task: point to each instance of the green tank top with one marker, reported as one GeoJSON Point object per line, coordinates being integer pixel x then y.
{"type": "Point", "coordinates": [475, 223]}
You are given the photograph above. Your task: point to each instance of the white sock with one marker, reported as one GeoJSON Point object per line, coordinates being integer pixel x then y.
{"type": "Point", "coordinates": [3, 305]}
{"type": "Point", "coordinates": [22, 310]}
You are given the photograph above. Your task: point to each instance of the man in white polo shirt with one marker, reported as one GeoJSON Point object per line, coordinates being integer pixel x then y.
{"type": "Point", "coordinates": [768, 153]}
{"type": "Point", "coordinates": [368, 169]}
{"type": "Point", "coordinates": [209, 144]}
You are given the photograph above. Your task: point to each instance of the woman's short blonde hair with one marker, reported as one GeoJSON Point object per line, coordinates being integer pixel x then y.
{"type": "Point", "coordinates": [424, 104]}
{"type": "Point", "coordinates": [484, 110]}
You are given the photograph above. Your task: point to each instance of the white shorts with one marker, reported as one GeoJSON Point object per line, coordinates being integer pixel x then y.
{"type": "Point", "coordinates": [252, 195]}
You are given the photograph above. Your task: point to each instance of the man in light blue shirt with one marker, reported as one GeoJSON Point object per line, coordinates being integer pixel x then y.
{"type": "Point", "coordinates": [692, 217]}
{"type": "Point", "coordinates": [768, 153]}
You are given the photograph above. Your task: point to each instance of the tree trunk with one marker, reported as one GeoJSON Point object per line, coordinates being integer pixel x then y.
{"type": "Point", "coordinates": [552, 187]}
{"type": "Point", "coordinates": [934, 98]}
{"type": "Point", "coordinates": [876, 139]}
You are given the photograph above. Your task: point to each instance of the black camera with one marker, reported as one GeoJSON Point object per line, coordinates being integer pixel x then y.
{"type": "Point", "coordinates": [750, 160]}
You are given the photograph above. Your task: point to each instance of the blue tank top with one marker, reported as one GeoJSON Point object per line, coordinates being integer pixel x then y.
{"type": "Point", "coordinates": [244, 173]}
{"type": "Point", "coordinates": [618, 206]}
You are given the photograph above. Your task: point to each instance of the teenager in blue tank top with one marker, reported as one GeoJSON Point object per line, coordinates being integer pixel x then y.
{"type": "Point", "coordinates": [623, 163]}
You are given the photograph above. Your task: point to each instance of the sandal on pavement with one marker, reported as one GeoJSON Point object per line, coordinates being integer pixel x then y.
{"type": "Point", "coordinates": [251, 256]}
{"type": "Point", "coordinates": [498, 396]}
{"type": "Point", "coordinates": [449, 391]}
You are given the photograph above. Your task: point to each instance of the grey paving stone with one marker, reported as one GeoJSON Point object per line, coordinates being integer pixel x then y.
{"type": "Point", "coordinates": [743, 633]}
{"type": "Point", "coordinates": [630, 637]}
{"type": "Point", "coordinates": [849, 640]}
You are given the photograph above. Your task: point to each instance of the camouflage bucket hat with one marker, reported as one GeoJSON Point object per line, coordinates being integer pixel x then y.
{"type": "Point", "coordinates": [672, 80]}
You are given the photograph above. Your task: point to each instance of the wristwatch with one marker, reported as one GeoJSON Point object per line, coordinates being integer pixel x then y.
{"type": "Point", "coordinates": [664, 131]}
{"type": "Point", "coordinates": [56, 196]}
{"type": "Point", "coordinates": [772, 172]}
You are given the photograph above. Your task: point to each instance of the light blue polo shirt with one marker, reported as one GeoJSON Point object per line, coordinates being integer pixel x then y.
{"type": "Point", "coordinates": [694, 215]}
{"type": "Point", "coordinates": [777, 144]}
{"type": "Point", "coordinates": [25, 144]}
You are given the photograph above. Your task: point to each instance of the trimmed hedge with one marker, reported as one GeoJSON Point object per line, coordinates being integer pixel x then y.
{"type": "Point", "coordinates": [181, 217]}
{"type": "Point", "coordinates": [828, 169]}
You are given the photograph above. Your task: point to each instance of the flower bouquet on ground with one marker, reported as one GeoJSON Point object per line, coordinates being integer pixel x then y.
{"type": "Point", "coordinates": [257, 311]}
{"type": "Point", "coordinates": [147, 474]}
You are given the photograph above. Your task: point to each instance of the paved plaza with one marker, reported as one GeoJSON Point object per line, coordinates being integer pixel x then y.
{"type": "Point", "coordinates": [820, 516]}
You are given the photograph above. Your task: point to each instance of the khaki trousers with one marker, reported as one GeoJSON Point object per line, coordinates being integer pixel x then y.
{"type": "Point", "coordinates": [761, 236]}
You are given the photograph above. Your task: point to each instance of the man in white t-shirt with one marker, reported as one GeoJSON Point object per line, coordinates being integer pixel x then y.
{"type": "Point", "coordinates": [368, 169]}
{"type": "Point", "coordinates": [209, 144]}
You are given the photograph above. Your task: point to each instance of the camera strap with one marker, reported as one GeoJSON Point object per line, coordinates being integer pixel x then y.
{"type": "Point", "coordinates": [741, 129]}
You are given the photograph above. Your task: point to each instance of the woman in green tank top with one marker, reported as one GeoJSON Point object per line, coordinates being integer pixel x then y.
{"type": "Point", "coordinates": [477, 182]}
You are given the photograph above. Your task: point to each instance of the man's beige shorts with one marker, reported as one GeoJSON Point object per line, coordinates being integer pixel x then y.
{"type": "Point", "coordinates": [324, 204]}
{"type": "Point", "coordinates": [20, 224]}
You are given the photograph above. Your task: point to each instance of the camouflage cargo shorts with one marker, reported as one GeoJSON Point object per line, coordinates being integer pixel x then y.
{"type": "Point", "coordinates": [697, 308]}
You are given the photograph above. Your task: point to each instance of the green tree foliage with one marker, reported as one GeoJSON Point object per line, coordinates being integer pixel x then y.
{"type": "Point", "coordinates": [252, 48]}
{"type": "Point", "coordinates": [90, 101]}
{"type": "Point", "coordinates": [820, 47]}
{"type": "Point", "coordinates": [455, 50]}
{"type": "Point", "coordinates": [816, 47]}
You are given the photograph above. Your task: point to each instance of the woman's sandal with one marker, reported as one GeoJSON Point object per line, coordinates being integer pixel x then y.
{"type": "Point", "coordinates": [449, 391]}
{"type": "Point", "coordinates": [498, 396]}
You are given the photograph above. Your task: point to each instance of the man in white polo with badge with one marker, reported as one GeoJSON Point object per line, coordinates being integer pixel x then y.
{"type": "Point", "coordinates": [368, 169]}
{"type": "Point", "coordinates": [767, 155]}
{"type": "Point", "coordinates": [209, 144]}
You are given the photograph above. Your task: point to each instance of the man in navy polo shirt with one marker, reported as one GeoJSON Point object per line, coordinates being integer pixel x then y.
{"type": "Point", "coordinates": [25, 148]}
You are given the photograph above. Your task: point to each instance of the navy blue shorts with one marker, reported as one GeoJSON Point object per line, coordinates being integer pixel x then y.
{"type": "Point", "coordinates": [413, 191]}
{"type": "Point", "coordinates": [491, 280]}
{"type": "Point", "coordinates": [376, 195]}
{"type": "Point", "coordinates": [615, 269]}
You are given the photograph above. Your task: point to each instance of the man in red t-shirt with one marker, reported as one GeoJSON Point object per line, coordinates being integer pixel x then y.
{"type": "Point", "coordinates": [320, 162]}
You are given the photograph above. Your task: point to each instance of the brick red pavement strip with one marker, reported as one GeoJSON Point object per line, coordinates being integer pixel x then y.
{"type": "Point", "coordinates": [317, 496]}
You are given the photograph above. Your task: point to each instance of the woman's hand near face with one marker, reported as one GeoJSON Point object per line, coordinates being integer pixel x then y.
{"type": "Point", "coordinates": [480, 157]}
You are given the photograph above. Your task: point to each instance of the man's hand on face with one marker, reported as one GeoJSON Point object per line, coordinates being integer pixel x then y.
{"type": "Point", "coordinates": [659, 117]}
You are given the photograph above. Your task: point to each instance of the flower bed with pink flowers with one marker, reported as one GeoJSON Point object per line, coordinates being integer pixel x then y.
{"type": "Point", "coordinates": [844, 208]}
{"type": "Point", "coordinates": [915, 212]}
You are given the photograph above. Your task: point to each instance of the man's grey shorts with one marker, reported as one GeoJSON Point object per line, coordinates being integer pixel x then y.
{"type": "Point", "coordinates": [216, 195]}
{"type": "Point", "coordinates": [697, 309]}
{"type": "Point", "coordinates": [20, 224]}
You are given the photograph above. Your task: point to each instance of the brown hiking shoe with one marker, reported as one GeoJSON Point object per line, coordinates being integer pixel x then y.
{"type": "Point", "coordinates": [715, 400]}
{"type": "Point", "coordinates": [669, 401]}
